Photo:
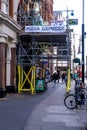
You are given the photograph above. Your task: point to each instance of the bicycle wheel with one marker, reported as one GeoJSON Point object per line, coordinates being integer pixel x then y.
{"type": "Point", "coordinates": [70, 102]}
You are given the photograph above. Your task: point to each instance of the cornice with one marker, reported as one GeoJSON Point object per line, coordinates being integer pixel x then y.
{"type": "Point", "coordinates": [7, 20]}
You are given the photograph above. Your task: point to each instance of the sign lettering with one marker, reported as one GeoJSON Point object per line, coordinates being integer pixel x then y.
{"type": "Point", "coordinates": [44, 28]}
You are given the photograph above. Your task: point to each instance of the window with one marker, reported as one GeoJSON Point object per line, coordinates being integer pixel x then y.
{"type": "Point", "coordinates": [9, 7]}
{"type": "Point", "coordinates": [62, 63]}
{"type": "Point", "coordinates": [65, 52]}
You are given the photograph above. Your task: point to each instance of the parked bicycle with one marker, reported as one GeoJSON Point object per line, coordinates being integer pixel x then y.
{"type": "Point", "coordinates": [74, 100]}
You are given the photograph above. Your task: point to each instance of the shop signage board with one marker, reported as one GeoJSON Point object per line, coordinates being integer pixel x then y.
{"type": "Point", "coordinates": [44, 29]}
{"type": "Point", "coordinates": [56, 26]}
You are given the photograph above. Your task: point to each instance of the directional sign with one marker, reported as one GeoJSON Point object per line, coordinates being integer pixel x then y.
{"type": "Point", "coordinates": [76, 60]}
{"type": "Point", "coordinates": [73, 21]}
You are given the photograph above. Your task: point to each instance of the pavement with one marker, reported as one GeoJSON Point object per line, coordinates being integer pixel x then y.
{"type": "Point", "coordinates": [44, 111]}
{"type": "Point", "coordinates": [51, 114]}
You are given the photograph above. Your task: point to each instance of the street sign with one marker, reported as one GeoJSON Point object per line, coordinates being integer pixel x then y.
{"type": "Point", "coordinates": [76, 60]}
{"type": "Point", "coordinates": [73, 21]}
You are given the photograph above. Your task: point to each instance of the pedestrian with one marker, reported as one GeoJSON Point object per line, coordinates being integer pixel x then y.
{"type": "Point", "coordinates": [66, 78]}
{"type": "Point", "coordinates": [54, 78]}
{"type": "Point", "coordinates": [58, 75]}
{"type": "Point", "coordinates": [82, 92]}
{"type": "Point", "coordinates": [63, 77]}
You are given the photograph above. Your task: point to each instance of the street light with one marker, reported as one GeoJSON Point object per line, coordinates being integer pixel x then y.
{"type": "Point", "coordinates": [68, 37]}
{"type": "Point", "coordinates": [83, 41]}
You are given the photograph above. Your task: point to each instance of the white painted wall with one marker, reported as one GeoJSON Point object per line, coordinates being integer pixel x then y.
{"type": "Point", "coordinates": [8, 61]}
{"type": "Point", "coordinates": [8, 35]}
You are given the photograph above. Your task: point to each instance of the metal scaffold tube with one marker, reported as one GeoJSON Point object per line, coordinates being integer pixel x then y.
{"type": "Point", "coordinates": [36, 49]}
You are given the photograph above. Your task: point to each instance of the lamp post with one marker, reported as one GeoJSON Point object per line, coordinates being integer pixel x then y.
{"type": "Point", "coordinates": [68, 37]}
{"type": "Point", "coordinates": [83, 41]}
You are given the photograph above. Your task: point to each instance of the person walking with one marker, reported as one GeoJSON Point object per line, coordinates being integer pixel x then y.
{"type": "Point", "coordinates": [58, 75]}
{"type": "Point", "coordinates": [63, 77]}
{"type": "Point", "coordinates": [82, 92]}
{"type": "Point", "coordinates": [54, 78]}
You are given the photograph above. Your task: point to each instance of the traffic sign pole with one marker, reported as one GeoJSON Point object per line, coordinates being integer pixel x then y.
{"type": "Point", "coordinates": [83, 41]}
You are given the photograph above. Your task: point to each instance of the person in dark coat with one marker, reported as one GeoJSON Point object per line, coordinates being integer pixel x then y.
{"type": "Point", "coordinates": [63, 77]}
{"type": "Point", "coordinates": [58, 75]}
{"type": "Point", "coordinates": [82, 92]}
{"type": "Point", "coordinates": [54, 78]}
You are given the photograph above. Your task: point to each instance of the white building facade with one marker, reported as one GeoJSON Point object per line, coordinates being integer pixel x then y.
{"type": "Point", "coordinates": [9, 30]}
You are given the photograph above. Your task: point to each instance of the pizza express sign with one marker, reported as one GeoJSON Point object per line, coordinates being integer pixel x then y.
{"type": "Point", "coordinates": [57, 28]}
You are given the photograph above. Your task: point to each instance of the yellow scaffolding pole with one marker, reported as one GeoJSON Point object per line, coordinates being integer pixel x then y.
{"type": "Point", "coordinates": [22, 81]}
{"type": "Point", "coordinates": [33, 79]}
{"type": "Point", "coordinates": [68, 84]}
{"type": "Point", "coordinates": [19, 80]}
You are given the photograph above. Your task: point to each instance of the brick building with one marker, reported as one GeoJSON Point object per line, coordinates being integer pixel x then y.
{"type": "Point", "coordinates": [9, 30]}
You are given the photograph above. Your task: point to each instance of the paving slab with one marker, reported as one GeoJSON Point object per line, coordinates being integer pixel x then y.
{"type": "Point", "coordinates": [51, 114]}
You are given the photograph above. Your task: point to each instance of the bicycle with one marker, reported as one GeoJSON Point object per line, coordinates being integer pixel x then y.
{"type": "Point", "coordinates": [74, 100]}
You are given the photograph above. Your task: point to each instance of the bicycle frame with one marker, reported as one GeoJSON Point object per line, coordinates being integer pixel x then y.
{"type": "Point", "coordinates": [73, 100]}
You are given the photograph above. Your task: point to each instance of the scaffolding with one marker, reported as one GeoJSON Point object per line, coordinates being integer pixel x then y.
{"type": "Point", "coordinates": [37, 49]}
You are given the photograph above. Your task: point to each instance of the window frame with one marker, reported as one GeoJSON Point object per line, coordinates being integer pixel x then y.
{"type": "Point", "coordinates": [9, 7]}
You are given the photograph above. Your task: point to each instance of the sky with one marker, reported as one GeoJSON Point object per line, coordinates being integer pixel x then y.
{"type": "Point", "coordinates": [75, 5]}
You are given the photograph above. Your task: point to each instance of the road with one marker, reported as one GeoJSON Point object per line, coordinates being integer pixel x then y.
{"type": "Point", "coordinates": [15, 109]}
{"type": "Point", "coordinates": [42, 111]}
